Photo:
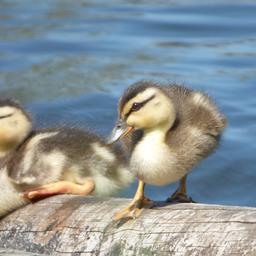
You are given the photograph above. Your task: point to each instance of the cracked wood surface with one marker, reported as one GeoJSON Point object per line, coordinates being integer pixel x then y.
{"type": "Point", "coordinates": [75, 225]}
{"type": "Point", "coordinates": [11, 252]}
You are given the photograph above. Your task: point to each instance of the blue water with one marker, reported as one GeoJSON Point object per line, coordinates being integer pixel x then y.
{"type": "Point", "coordinates": [69, 61]}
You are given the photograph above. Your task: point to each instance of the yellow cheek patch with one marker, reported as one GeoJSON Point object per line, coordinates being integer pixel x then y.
{"type": "Point", "coordinates": [126, 109]}
{"type": "Point", "coordinates": [5, 135]}
{"type": "Point", "coordinates": [139, 120]}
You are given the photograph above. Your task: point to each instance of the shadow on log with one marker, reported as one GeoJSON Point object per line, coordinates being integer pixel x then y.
{"type": "Point", "coordinates": [75, 225]}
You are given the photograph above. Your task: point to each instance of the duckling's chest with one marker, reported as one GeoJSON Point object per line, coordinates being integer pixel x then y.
{"type": "Point", "coordinates": [153, 161]}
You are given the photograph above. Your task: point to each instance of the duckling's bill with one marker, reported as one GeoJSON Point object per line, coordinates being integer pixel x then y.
{"type": "Point", "coordinates": [120, 130]}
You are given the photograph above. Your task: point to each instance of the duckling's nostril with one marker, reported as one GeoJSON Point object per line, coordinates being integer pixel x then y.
{"type": "Point", "coordinates": [119, 124]}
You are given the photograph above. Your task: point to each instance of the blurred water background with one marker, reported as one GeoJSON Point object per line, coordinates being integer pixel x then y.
{"type": "Point", "coordinates": [69, 61]}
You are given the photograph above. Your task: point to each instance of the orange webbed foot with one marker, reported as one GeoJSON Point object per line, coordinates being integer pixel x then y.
{"type": "Point", "coordinates": [61, 187]}
{"type": "Point", "coordinates": [134, 210]}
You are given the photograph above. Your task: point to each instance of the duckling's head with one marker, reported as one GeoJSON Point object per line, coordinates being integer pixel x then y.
{"type": "Point", "coordinates": [143, 106]}
{"type": "Point", "coordinates": [15, 125]}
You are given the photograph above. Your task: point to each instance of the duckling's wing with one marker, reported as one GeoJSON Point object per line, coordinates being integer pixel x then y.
{"type": "Point", "coordinates": [198, 126]}
{"type": "Point", "coordinates": [31, 165]}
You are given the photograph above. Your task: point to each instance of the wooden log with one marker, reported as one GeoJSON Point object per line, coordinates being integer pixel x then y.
{"type": "Point", "coordinates": [11, 252]}
{"type": "Point", "coordinates": [75, 225]}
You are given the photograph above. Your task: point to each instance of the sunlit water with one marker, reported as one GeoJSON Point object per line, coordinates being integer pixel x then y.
{"type": "Point", "coordinates": [69, 61]}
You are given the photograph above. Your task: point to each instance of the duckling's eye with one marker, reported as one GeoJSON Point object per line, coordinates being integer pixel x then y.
{"type": "Point", "coordinates": [136, 106]}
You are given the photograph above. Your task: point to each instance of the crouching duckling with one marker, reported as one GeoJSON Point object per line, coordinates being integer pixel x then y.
{"type": "Point", "coordinates": [171, 128]}
{"type": "Point", "coordinates": [49, 162]}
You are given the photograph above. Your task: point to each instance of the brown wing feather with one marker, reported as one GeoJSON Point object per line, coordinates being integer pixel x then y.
{"type": "Point", "coordinates": [198, 126]}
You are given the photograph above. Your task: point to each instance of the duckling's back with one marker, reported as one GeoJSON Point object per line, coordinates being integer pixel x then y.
{"type": "Point", "coordinates": [69, 154]}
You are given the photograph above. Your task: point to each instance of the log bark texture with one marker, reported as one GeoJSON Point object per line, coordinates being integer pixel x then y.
{"type": "Point", "coordinates": [75, 225]}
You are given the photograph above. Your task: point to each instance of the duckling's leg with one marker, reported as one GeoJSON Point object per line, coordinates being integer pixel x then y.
{"type": "Point", "coordinates": [135, 207]}
{"type": "Point", "coordinates": [61, 187]}
{"type": "Point", "coordinates": [180, 195]}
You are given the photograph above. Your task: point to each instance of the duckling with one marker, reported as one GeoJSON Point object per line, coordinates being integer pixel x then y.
{"type": "Point", "coordinates": [15, 127]}
{"type": "Point", "coordinates": [168, 130]}
{"type": "Point", "coordinates": [54, 161]}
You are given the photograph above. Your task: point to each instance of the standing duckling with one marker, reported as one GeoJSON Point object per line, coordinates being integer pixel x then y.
{"type": "Point", "coordinates": [171, 128]}
{"type": "Point", "coordinates": [56, 161]}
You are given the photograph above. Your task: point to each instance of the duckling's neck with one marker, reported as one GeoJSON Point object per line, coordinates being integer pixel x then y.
{"type": "Point", "coordinates": [158, 133]}
{"type": "Point", "coordinates": [4, 157]}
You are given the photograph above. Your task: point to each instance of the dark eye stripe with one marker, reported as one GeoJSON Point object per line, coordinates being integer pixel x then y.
{"type": "Point", "coordinates": [1, 117]}
{"type": "Point", "coordinates": [142, 104]}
